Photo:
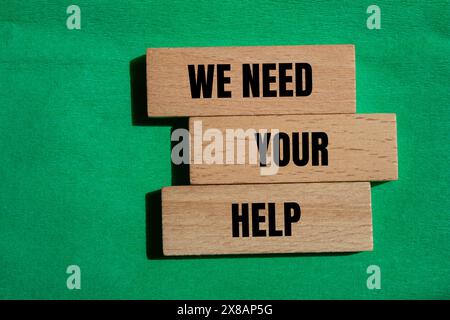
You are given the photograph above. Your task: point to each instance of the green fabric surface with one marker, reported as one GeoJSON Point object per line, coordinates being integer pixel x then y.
{"type": "Point", "coordinates": [75, 171]}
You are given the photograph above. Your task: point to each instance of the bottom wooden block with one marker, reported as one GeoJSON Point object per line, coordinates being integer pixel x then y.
{"type": "Point", "coordinates": [267, 218]}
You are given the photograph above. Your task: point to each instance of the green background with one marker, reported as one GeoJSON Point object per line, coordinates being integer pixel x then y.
{"type": "Point", "coordinates": [75, 171]}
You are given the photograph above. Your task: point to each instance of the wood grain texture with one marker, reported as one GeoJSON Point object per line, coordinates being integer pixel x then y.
{"type": "Point", "coordinates": [361, 147]}
{"type": "Point", "coordinates": [335, 217]}
{"type": "Point", "coordinates": [333, 78]}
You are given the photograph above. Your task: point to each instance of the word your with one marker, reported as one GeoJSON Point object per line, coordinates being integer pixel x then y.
{"type": "Point", "coordinates": [254, 77]}
{"type": "Point", "coordinates": [319, 152]}
{"type": "Point", "coordinates": [273, 148]}
{"type": "Point", "coordinates": [240, 219]}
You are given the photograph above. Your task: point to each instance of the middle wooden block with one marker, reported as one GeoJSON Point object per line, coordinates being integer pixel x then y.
{"type": "Point", "coordinates": [294, 148]}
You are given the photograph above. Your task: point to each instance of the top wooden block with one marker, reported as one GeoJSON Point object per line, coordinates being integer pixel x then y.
{"type": "Point", "coordinates": [251, 80]}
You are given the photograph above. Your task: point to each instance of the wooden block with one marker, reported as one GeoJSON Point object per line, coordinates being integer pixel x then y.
{"type": "Point", "coordinates": [251, 80]}
{"type": "Point", "coordinates": [347, 147]}
{"type": "Point", "coordinates": [275, 218]}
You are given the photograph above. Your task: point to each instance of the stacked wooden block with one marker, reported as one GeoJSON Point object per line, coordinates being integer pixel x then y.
{"type": "Point", "coordinates": [308, 189]}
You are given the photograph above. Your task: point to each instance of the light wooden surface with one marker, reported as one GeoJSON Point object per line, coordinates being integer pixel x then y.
{"type": "Point", "coordinates": [361, 147]}
{"type": "Point", "coordinates": [333, 80]}
{"type": "Point", "coordinates": [335, 217]}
